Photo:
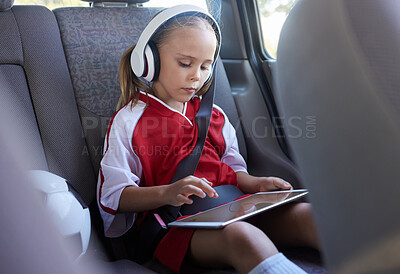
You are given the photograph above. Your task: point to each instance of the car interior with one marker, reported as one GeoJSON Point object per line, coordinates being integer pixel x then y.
{"type": "Point", "coordinates": [59, 87]}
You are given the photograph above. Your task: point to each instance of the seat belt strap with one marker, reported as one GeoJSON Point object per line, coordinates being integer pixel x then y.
{"type": "Point", "coordinates": [188, 165]}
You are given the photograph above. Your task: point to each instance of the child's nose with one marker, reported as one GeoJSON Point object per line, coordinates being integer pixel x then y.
{"type": "Point", "coordinates": [195, 76]}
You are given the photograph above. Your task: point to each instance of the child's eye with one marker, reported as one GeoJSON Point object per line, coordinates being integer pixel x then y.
{"type": "Point", "coordinates": [204, 68]}
{"type": "Point", "coordinates": [185, 65]}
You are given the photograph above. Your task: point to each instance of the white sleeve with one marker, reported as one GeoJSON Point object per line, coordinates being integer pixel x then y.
{"type": "Point", "coordinates": [231, 156]}
{"type": "Point", "coordinates": [120, 167]}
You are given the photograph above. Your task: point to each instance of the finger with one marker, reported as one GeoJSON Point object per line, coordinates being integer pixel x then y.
{"type": "Point", "coordinates": [183, 199]}
{"type": "Point", "coordinates": [204, 185]}
{"type": "Point", "coordinates": [193, 190]}
{"type": "Point", "coordinates": [207, 181]}
{"type": "Point", "coordinates": [281, 184]}
{"type": "Point", "coordinates": [214, 192]}
{"type": "Point", "coordinates": [209, 190]}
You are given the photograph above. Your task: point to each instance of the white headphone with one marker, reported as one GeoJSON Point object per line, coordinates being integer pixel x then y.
{"type": "Point", "coordinates": [145, 59]}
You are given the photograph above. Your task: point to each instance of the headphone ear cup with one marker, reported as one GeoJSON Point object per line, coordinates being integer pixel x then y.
{"type": "Point", "coordinates": [148, 72]}
{"type": "Point", "coordinates": [156, 60]}
{"type": "Point", "coordinates": [152, 62]}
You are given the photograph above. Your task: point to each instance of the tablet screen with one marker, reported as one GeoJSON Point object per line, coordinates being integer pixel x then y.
{"type": "Point", "coordinates": [240, 209]}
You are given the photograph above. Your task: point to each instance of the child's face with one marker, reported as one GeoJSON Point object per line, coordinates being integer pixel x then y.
{"type": "Point", "coordinates": [186, 57]}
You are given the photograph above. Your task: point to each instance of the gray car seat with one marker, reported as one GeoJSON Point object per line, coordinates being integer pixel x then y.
{"type": "Point", "coordinates": [38, 100]}
{"type": "Point", "coordinates": [339, 62]}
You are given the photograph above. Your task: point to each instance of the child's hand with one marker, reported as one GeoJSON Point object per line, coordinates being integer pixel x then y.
{"type": "Point", "coordinates": [253, 184]}
{"type": "Point", "coordinates": [178, 193]}
{"type": "Point", "coordinates": [272, 183]}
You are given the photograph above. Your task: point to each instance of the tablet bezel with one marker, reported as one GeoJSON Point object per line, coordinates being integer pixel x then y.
{"type": "Point", "coordinates": [218, 225]}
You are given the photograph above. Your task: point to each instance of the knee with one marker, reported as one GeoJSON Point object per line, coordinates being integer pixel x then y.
{"type": "Point", "coordinates": [307, 230]}
{"type": "Point", "coordinates": [239, 232]}
{"type": "Point", "coordinates": [239, 238]}
{"type": "Point", "coordinates": [302, 211]}
{"type": "Point", "coordinates": [247, 243]}
{"type": "Point", "coordinates": [243, 238]}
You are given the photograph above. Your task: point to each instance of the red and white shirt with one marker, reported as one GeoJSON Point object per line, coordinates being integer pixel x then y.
{"type": "Point", "coordinates": [144, 145]}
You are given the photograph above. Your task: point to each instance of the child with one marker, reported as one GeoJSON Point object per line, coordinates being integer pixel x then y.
{"type": "Point", "coordinates": [154, 131]}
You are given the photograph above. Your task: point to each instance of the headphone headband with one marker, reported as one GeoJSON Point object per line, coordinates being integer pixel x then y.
{"type": "Point", "coordinates": [141, 66]}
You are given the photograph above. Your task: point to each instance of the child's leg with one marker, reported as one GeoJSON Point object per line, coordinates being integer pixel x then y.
{"type": "Point", "coordinates": [289, 225]}
{"type": "Point", "coordinates": [240, 245]}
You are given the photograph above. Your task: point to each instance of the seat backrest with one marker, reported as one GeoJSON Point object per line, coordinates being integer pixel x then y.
{"type": "Point", "coordinates": [15, 100]}
{"type": "Point", "coordinates": [35, 67]}
{"type": "Point", "coordinates": [94, 42]}
{"type": "Point", "coordinates": [338, 61]}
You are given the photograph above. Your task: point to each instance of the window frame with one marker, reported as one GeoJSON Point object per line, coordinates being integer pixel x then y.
{"type": "Point", "coordinates": [263, 49]}
{"type": "Point", "coordinates": [261, 63]}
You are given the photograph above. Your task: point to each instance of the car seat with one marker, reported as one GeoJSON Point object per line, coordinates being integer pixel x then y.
{"type": "Point", "coordinates": [38, 100]}
{"type": "Point", "coordinates": [338, 61]}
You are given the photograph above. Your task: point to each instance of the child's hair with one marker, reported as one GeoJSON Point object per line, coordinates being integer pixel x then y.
{"type": "Point", "coordinates": [131, 85]}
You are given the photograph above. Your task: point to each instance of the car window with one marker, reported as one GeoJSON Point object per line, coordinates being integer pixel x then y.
{"type": "Point", "coordinates": [52, 4]}
{"type": "Point", "coordinates": [273, 14]}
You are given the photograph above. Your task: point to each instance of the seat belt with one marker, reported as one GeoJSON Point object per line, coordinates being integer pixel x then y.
{"type": "Point", "coordinates": [188, 165]}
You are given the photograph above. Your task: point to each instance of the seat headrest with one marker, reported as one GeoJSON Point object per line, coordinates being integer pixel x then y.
{"type": "Point", "coordinates": [129, 2]}
{"type": "Point", "coordinates": [6, 4]}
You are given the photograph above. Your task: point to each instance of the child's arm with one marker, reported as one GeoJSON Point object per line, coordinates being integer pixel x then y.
{"type": "Point", "coordinates": [252, 184]}
{"type": "Point", "coordinates": [139, 199]}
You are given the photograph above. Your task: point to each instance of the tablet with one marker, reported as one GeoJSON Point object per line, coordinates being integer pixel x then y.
{"type": "Point", "coordinates": [221, 216]}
